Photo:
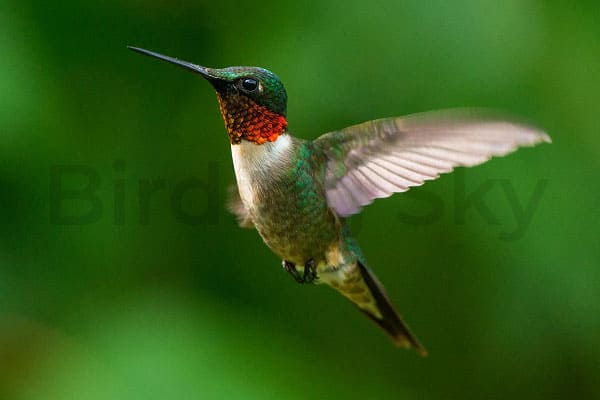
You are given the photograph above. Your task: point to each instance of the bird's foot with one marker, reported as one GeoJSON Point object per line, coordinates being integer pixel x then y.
{"type": "Point", "coordinates": [310, 271]}
{"type": "Point", "coordinates": [290, 268]}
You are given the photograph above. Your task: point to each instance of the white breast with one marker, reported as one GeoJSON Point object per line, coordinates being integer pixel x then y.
{"type": "Point", "coordinates": [253, 162]}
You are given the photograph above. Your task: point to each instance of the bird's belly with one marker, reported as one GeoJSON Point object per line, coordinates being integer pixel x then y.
{"type": "Point", "coordinates": [295, 234]}
{"type": "Point", "coordinates": [286, 204]}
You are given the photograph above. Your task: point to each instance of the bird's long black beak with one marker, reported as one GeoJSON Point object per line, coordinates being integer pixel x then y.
{"type": "Point", "coordinates": [205, 72]}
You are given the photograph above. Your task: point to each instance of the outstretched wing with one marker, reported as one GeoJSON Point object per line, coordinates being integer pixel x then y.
{"type": "Point", "coordinates": [377, 158]}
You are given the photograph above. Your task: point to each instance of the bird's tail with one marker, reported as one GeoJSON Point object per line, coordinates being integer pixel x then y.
{"type": "Point", "coordinates": [363, 288]}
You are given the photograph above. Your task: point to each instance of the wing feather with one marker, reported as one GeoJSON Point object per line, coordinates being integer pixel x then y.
{"type": "Point", "coordinates": [378, 158]}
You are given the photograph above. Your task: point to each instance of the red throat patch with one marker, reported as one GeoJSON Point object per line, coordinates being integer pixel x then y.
{"type": "Point", "coordinates": [245, 119]}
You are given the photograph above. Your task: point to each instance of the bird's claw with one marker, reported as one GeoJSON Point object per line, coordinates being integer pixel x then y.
{"type": "Point", "coordinates": [310, 271]}
{"type": "Point", "coordinates": [290, 268]}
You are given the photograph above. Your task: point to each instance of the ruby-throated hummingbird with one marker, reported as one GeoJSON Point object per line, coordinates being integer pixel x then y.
{"type": "Point", "coordinates": [298, 193]}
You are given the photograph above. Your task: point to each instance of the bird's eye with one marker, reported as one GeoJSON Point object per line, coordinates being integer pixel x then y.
{"type": "Point", "coordinates": [249, 84]}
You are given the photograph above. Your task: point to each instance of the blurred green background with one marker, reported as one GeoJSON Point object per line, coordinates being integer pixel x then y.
{"type": "Point", "coordinates": [141, 303]}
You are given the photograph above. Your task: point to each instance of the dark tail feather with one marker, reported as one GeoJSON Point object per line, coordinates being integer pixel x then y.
{"type": "Point", "coordinates": [391, 322]}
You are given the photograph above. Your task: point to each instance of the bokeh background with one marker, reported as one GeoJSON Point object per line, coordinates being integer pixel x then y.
{"type": "Point", "coordinates": [165, 297]}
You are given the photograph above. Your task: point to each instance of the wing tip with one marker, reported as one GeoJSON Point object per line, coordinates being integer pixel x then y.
{"type": "Point", "coordinates": [544, 137]}
{"type": "Point", "coordinates": [533, 138]}
{"type": "Point", "coordinates": [534, 135]}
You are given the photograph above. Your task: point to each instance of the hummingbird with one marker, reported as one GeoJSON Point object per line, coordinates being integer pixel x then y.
{"type": "Point", "coordinates": [298, 194]}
